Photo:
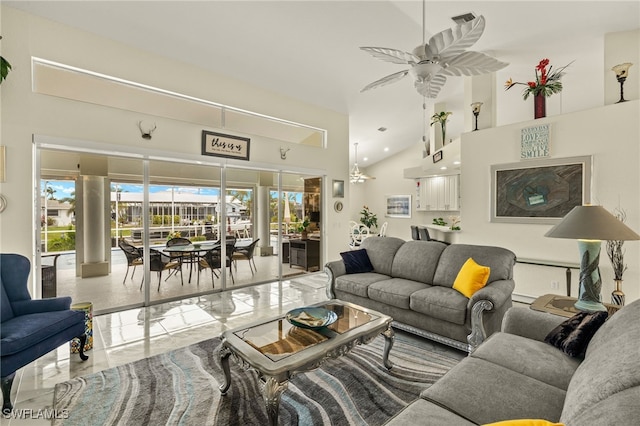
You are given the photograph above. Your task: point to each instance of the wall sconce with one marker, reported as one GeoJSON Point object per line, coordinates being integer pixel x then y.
{"type": "Point", "coordinates": [621, 70]}
{"type": "Point", "coordinates": [146, 128]}
{"type": "Point", "coordinates": [475, 107]}
{"type": "Point", "coordinates": [283, 153]}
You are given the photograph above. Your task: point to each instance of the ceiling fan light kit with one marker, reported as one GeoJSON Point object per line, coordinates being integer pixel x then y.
{"type": "Point", "coordinates": [356, 176]}
{"type": "Point", "coordinates": [444, 55]}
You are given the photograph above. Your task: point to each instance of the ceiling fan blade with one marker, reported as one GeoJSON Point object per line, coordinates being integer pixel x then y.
{"type": "Point", "coordinates": [394, 56]}
{"type": "Point", "coordinates": [472, 63]}
{"type": "Point", "coordinates": [454, 41]}
{"type": "Point", "coordinates": [430, 88]}
{"type": "Point", "coordinates": [386, 80]}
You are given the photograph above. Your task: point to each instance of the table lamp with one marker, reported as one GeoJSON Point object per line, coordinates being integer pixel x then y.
{"type": "Point", "coordinates": [590, 225]}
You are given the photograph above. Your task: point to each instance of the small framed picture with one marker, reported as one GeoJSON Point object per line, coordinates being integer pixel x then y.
{"type": "Point", "coordinates": [338, 188]}
{"type": "Point", "coordinates": [437, 156]}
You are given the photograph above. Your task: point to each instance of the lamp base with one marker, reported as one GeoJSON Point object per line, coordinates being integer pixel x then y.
{"type": "Point", "coordinates": [589, 306]}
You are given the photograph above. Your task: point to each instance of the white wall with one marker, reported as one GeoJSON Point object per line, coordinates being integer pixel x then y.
{"type": "Point", "coordinates": [25, 113]}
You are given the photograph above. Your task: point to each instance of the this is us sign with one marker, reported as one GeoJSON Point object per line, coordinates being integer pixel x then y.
{"type": "Point", "coordinates": [228, 146]}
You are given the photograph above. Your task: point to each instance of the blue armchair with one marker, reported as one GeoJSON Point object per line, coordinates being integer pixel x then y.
{"type": "Point", "coordinates": [30, 328]}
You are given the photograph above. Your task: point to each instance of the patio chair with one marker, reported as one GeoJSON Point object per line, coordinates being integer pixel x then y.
{"type": "Point", "coordinates": [30, 328]}
{"type": "Point", "coordinates": [133, 255]}
{"type": "Point", "coordinates": [212, 259]}
{"type": "Point", "coordinates": [159, 262]}
{"type": "Point", "coordinates": [180, 257]}
{"type": "Point", "coordinates": [245, 253]}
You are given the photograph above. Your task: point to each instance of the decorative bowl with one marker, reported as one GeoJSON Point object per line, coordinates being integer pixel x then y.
{"type": "Point", "coordinates": [197, 246]}
{"type": "Point", "coordinates": [311, 317]}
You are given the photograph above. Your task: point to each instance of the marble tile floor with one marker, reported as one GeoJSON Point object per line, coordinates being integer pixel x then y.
{"type": "Point", "coordinates": [130, 335]}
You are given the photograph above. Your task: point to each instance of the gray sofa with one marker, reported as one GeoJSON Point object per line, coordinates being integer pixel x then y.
{"type": "Point", "coordinates": [515, 375]}
{"type": "Point", "coordinates": [412, 282]}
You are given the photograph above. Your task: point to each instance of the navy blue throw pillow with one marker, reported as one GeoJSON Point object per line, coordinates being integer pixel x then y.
{"type": "Point", "coordinates": [573, 335]}
{"type": "Point", "coordinates": [356, 261]}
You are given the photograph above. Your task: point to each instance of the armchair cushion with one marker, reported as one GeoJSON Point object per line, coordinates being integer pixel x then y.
{"type": "Point", "coordinates": [27, 331]}
{"type": "Point", "coordinates": [356, 261]}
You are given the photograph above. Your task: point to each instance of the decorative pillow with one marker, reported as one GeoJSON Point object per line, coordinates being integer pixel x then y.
{"type": "Point", "coordinates": [573, 335]}
{"type": "Point", "coordinates": [525, 422]}
{"type": "Point", "coordinates": [471, 278]}
{"type": "Point", "coordinates": [356, 261]}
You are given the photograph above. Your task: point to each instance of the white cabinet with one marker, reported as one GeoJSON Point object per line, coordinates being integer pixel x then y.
{"type": "Point", "coordinates": [439, 193]}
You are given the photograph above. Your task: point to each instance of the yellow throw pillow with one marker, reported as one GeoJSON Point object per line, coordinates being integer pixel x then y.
{"type": "Point", "coordinates": [471, 278]}
{"type": "Point", "coordinates": [524, 422]}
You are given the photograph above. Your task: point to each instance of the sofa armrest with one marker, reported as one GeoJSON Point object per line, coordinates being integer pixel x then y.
{"type": "Point", "coordinates": [528, 323]}
{"type": "Point", "coordinates": [25, 307]}
{"type": "Point", "coordinates": [497, 292]}
{"type": "Point", "coordinates": [333, 270]}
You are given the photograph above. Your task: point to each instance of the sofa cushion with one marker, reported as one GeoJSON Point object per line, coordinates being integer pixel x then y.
{"type": "Point", "coordinates": [26, 331]}
{"type": "Point", "coordinates": [621, 408]}
{"type": "Point", "coordinates": [358, 284]}
{"type": "Point", "coordinates": [440, 302]}
{"type": "Point", "coordinates": [471, 278]}
{"type": "Point", "coordinates": [529, 357]}
{"type": "Point", "coordinates": [356, 261]}
{"type": "Point", "coordinates": [500, 261]}
{"type": "Point", "coordinates": [417, 260]}
{"type": "Point", "coordinates": [381, 251]}
{"type": "Point", "coordinates": [6, 312]}
{"type": "Point", "coordinates": [611, 364]}
{"type": "Point", "coordinates": [395, 291]}
{"type": "Point", "coordinates": [424, 413]}
{"type": "Point", "coordinates": [574, 334]}
{"type": "Point", "coordinates": [484, 392]}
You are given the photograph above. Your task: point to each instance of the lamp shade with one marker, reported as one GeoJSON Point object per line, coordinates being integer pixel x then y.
{"type": "Point", "coordinates": [592, 223]}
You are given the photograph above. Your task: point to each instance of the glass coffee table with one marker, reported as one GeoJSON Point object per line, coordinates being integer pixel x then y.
{"type": "Point", "coordinates": [278, 350]}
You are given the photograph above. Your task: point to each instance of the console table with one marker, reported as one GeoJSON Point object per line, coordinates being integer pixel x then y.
{"type": "Point", "coordinates": [304, 253]}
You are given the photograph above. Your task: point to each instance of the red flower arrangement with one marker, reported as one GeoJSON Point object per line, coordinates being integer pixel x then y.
{"type": "Point", "coordinates": [547, 82]}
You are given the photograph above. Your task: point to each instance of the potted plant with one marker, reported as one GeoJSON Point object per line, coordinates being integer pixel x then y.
{"type": "Point", "coordinates": [368, 219]}
{"type": "Point", "coordinates": [302, 228]}
{"type": "Point", "coordinates": [616, 257]}
{"type": "Point", "coordinates": [441, 118]}
{"type": "Point", "coordinates": [5, 67]}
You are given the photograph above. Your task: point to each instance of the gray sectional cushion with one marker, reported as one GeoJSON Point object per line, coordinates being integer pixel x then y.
{"type": "Point", "coordinates": [417, 260]}
{"type": "Point", "coordinates": [424, 413]}
{"type": "Point", "coordinates": [484, 392]}
{"type": "Point", "coordinates": [358, 284]}
{"type": "Point", "coordinates": [611, 364]}
{"type": "Point", "coordinates": [394, 291]}
{"type": "Point", "coordinates": [440, 302]}
{"type": "Point", "coordinates": [529, 357]}
{"type": "Point", "coordinates": [500, 261]}
{"type": "Point", "coordinates": [381, 251]}
{"type": "Point", "coordinates": [622, 408]}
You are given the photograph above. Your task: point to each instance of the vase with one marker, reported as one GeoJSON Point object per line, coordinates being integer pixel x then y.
{"type": "Point", "coordinates": [304, 235]}
{"type": "Point", "coordinates": [443, 126]}
{"type": "Point", "coordinates": [617, 295]}
{"type": "Point", "coordinates": [539, 106]}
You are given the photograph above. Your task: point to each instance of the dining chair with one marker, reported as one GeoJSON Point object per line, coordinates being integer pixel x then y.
{"type": "Point", "coordinates": [133, 255]}
{"type": "Point", "coordinates": [245, 253]}
{"type": "Point", "coordinates": [212, 259]}
{"type": "Point", "coordinates": [414, 232]}
{"type": "Point", "coordinates": [383, 230]}
{"type": "Point", "coordinates": [159, 262]}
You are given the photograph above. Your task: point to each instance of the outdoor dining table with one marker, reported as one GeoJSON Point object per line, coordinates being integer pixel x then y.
{"type": "Point", "coordinates": [193, 251]}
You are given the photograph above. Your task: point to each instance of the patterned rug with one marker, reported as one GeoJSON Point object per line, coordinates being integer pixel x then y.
{"type": "Point", "coordinates": [181, 388]}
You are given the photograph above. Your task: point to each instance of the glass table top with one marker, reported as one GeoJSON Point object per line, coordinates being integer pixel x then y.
{"type": "Point", "coordinates": [277, 339]}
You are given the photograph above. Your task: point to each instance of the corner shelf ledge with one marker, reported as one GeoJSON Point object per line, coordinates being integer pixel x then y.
{"type": "Point", "coordinates": [440, 228]}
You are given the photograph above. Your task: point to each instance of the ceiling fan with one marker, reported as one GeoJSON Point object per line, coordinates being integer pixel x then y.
{"type": "Point", "coordinates": [356, 176]}
{"type": "Point", "coordinates": [444, 55]}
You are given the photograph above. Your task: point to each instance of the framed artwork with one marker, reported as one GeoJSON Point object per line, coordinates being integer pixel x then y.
{"type": "Point", "coordinates": [226, 146]}
{"type": "Point", "coordinates": [338, 188]}
{"type": "Point", "coordinates": [398, 206]}
{"type": "Point", "coordinates": [539, 191]}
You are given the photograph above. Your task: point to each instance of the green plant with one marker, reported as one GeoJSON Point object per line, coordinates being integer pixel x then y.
{"type": "Point", "coordinates": [5, 66]}
{"type": "Point", "coordinates": [302, 226]}
{"type": "Point", "coordinates": [547, 82]}
{"type": "Point", "coordinates": [455, 220]}
{"type": "Point", "coordinates": [439, 221]}
{"type": "Point", "coordinates": [441, 118]}
{"type": "Point", "coordinates": [173, 235]}
{"type": "Point", "coordinates": [198, 238]}
{"type": "Point", "coordinates": [368, 219]}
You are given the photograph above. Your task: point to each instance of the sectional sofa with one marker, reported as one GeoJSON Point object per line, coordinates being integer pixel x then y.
{"type": "Point", "coordinates": [412, 281]}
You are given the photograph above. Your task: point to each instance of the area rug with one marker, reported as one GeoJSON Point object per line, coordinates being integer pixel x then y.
{"type": "Point", "coordinates": [181, 388]}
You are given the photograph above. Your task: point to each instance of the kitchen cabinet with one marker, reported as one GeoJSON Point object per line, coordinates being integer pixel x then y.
{"type": "Point", "coordinates": [439, 193]}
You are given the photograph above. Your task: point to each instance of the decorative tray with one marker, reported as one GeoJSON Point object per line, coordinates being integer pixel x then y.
{"type": "Point", "coordinates": [311, 317]}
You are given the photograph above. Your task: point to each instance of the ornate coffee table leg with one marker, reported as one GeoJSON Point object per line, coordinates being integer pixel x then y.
{"type": "Point", "coordinates": [224, 362]}
{"type": "Point", "coordinates": [271, 394]}
{"type": "Point", "coordinates": [389, 337]}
